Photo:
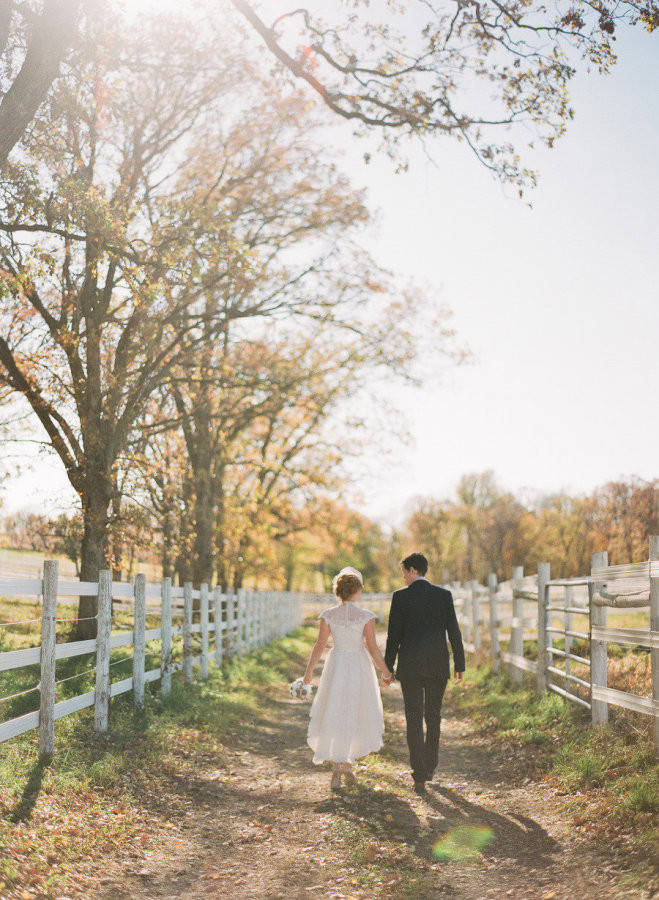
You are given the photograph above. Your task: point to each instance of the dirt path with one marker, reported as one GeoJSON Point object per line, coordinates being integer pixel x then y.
{"type": "Point", "coordinates": [261, 821]}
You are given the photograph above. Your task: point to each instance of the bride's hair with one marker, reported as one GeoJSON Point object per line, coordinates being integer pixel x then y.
{"type": "Point", "coordinates": [346, 585]}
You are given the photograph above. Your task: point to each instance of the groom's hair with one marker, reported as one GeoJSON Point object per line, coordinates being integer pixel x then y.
{"type": "Point", "coordinates": [416, 561]}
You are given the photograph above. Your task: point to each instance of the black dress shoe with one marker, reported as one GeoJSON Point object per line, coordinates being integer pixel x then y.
{"type": "Point", "coordinates": [420, 787]}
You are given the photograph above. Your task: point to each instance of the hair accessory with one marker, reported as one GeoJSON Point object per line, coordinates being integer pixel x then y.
{"type": "Point", "coordinates": [349, 570]}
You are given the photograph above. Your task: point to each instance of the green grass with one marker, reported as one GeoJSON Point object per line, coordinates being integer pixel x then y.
{"type": "Point", "coordinates": [100, 792]}
{"type": "Point", "coordinates": [58, 818]}
{"type": "Point", "coordinates": [609, 775]}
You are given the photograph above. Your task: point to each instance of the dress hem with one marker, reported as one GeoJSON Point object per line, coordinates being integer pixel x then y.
{"type": "Point", "coordinates": [351, 760]}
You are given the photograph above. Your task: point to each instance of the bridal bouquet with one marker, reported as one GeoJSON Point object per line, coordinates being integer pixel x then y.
{"type": "Point", "coordinates": [299, 689]}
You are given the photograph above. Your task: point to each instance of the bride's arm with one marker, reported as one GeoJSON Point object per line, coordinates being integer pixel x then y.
{"type": "Point", "coordinates": [316, 653]}
{"type": "Point", "coordinates": [374, 650]}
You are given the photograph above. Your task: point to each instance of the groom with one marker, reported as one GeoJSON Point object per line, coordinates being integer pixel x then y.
{"type": "Point", "coordinates": [421, 616]}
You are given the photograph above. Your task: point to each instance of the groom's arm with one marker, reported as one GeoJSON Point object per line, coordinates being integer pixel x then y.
{"type": "Point", "coordinates": [394, 632]}
{"type": "Point", "coordinates": [455, 636]}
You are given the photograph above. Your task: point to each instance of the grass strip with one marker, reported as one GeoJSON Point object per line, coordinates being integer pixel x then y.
{"type": "Point", "coordinates": [108, 794]}
{"type": "Point", "coordinates": [608, 776]}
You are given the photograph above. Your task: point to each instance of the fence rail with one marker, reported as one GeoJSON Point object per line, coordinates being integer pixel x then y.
{"type": "Point", "coordinates": [235, 622]}
{"type": "Point", "coordinates": [529, 616]}
{"type": "Point", "coordinates": [525, 619]}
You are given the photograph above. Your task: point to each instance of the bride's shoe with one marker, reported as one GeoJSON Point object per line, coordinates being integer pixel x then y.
{"type": "Point", "coordinates": [335, 783]}
{"type": "Point", "coordinates": [349, 777]}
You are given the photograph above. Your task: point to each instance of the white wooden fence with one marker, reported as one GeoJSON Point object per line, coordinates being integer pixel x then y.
{"type": "Point", "coordinates": [542, 610]}
{"type": "Point", "coordinates": [239, 622]}
{"type": "Point", "coordinates": [376, 602]}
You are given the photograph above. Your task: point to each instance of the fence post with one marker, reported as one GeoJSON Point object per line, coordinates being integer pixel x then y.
{"type": "Point", "coordinates": [231, 623]}
{"type": "Point", "coordinates": [654, 633]}
{"type": "Point", "coordinates": [240, 622]}
{"type": "Point", "coordinates": [517, 628]}
{"type": "Point", "coordinates": [461, 611]}
{"type": "Point", "coordinates": [249, 621]}
{"type": "Point", "coordinates": [492, 588]}
{"type": "Point", "coordinates": [187, 632]}
{"type": "Point", "coordinates": [139, 628]}
{"type": "Point", "coordinates": [599, 709]}
{"type": "Point", "coordinates": [261, 597]}
{"type": "Point", "coordinates": [244, 639]}
{"type": "Point", "coordinates": [217, 619]}
{"type": "Point", "coordinates": [48, 642]}
{"type": "Point", "coordinates": [256, 620]}
{"type": "Point", "coordinates": [203, 619]}
{"type": "Point", "coordinates": [166, 636]}
{"type": "Point", "coordinates": [104, 627]}
{"type": "Point", "coordinates": [475, 615]}
{"type": "Point", "coordinates": [543, 578]}
{"type": "Point", "coordinates": [568, 600]}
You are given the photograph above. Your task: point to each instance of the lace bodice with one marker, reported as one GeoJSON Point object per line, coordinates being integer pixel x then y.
{"type": "Point", "coordinates": [346, 623]}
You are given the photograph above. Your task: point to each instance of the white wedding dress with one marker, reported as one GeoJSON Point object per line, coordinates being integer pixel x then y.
{"type": "Point", "coordinates": [346, 719]}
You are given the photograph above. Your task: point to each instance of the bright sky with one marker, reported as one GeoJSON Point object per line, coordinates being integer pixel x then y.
{"type": "Point", "coordinates": [558, 303]}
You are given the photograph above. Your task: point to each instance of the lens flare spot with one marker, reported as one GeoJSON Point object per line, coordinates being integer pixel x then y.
{"type": "Point", "coordinates": [463, 843]}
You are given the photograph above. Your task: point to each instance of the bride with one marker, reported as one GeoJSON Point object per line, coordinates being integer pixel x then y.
{"type": "Point", "coordinates": [346, 720]}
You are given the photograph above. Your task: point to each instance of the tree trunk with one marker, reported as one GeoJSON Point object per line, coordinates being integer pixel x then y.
{"type": "Point", "coordinates": [239, 571]}
{"type": "Point", "coordinates": [117, 544]}
{"type": "Point", "coordinates": [53, 33]}
{"type": "Point", "coordinates": [222, 563]}
{"type": "Point", "coordinates": [93, 552]}
{"type": "Point", "coordinates": [167, 544]}
{"type": "Point", "coordinates": [202, 560]}
{"type": "Point", "coordinates": [238, 575]}
{"type": "Point", "coordinates": [289, 566]}
{"type": "Point", "coordinates": [6, 10]}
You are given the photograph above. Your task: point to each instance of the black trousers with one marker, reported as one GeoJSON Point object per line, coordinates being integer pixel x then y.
{"type": "Point", "coordinates": [423, 698]}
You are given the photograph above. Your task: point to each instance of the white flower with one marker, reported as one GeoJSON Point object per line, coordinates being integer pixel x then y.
{"type": "Point", "coordinates": [299, 689]}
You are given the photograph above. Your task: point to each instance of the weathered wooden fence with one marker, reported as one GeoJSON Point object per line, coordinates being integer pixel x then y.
{"type": "Point", "coordinates": [377, 602]}
{"type": "Point", "coordinates": [553, 629]}
{"type": "Point", "coordinates": [528, 617]}
{"type": "Point", "coordinates": [238, 622]}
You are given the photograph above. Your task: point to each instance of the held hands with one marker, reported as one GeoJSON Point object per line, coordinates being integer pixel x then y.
{"type": "Point", "coordinates": [387, 678]}
{"type": "Point", "coordinates": [458, 676]}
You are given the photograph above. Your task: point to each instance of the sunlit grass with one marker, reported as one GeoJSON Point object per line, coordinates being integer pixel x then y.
{"type": "Point", "coordinates": [95, 795]}
{"type": "Point", "coordinates": [463, 844]}
{"type": "Point", "coordinates": [609, 775]}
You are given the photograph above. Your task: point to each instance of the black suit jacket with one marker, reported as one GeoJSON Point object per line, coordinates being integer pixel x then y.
{"type": "Point", "coordinates": [421, 616]}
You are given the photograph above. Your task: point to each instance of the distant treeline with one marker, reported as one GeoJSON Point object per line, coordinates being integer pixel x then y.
{"type": "Point", "coordinates": [482, 529]}
{"type": "Point", "coordinates": [488, 529]}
